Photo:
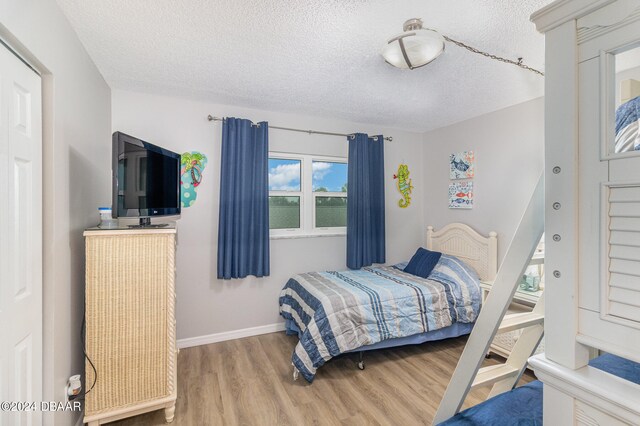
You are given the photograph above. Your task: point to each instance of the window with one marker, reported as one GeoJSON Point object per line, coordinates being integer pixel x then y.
{"type": "Point", "coordinates": [307, 195]}
{"type": "Point", "coordinates": [329, 182]}
{"type": "Point", "coordinates": [285, 193]}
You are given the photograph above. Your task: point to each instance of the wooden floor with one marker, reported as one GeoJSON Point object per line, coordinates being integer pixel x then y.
{"type": "Point", "coordinates": [249, 382]}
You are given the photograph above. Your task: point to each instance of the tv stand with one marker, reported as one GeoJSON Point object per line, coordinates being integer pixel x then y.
{"type": "Point", "coordinates": [150, 226]}
{"type": "Point", "coordinates": [145, 222]}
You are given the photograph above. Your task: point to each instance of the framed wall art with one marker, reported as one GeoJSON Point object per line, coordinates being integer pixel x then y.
{"type": "Point", "coordinates": [462, 165]}
{"type": "Point", "coordinates": [461, 195]}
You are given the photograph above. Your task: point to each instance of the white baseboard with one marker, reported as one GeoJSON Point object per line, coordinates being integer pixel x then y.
{"type": "Point", "coordinates": [229, 335]}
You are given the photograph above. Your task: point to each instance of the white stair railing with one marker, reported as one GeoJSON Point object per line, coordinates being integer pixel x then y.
{"type": "Point", "coordinates": [524, 348]}
{"type": "Point", "coordinates": [515, 262]}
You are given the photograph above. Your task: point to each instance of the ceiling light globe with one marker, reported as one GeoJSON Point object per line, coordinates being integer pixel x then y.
{"type": "Point", "coordinates": [413, 48]}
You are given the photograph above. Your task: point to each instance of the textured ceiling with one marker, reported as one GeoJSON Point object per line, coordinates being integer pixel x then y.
{"type": "Point", "coordinates": [315, 57]}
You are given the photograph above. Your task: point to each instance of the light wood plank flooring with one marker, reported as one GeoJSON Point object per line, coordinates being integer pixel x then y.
{"type": "Point", "coordinates": [249, 382]}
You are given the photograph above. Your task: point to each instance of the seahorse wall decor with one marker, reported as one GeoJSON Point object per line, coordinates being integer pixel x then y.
{"type": "Point", "coordinates": [191, 168]}
{"type": "Point", "coordinates": [404, 185]}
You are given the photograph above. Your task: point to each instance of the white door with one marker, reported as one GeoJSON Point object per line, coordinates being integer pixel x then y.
{"type": "Point", "coordinates": [20, 238]}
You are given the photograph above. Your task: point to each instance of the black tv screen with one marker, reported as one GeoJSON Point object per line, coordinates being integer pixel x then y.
{"type": "Point", "coordinates": [146, 178]}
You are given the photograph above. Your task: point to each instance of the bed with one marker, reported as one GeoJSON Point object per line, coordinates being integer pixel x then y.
{"type": "Point", "coordinates": [335, 312]}
{"type": "Point", "coordinates": [523, 405]}
{"type": "Point", "coordinates": [628, 126]}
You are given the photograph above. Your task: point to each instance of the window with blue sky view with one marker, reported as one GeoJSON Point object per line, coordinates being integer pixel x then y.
{"type": "Point", "coordinates": [284, 175]}
{"type": "Point", "coordinates": [329, 177]}
{"type": "Point", "coordinates": [325, 192]}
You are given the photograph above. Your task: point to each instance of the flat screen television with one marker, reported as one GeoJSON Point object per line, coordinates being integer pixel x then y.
{"type": "Point", "coordinates": [146, 179]}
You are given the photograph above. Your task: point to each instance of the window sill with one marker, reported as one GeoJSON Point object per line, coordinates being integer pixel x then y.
{"type": "Point", "coordinates": [295, 236]}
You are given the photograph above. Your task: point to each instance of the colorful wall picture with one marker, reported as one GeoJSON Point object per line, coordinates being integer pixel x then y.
{"type": "Point", "coordinates": [191, 168]}
{"type": "Point", "coordinates": [461, 195]}
{"type": "Point", "coordinates": [403, 183]}
{"type": "Point", "coordinates": [462, 165]}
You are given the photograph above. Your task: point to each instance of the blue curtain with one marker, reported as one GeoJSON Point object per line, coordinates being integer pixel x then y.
{"type": "Point", "coordinates": [243, 228]}
{"type": "Point", "coordinates": [365, 201]}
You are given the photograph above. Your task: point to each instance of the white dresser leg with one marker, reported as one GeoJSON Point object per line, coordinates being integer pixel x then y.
{"type": "Point", "coordinates": [169, 412]}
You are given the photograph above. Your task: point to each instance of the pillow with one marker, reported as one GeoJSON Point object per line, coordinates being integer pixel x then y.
{"type": "Point", "coordinates": [423, 262]}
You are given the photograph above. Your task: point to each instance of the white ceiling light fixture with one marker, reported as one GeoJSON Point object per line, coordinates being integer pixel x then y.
{"type": "Point", "coordinates": [418, 46]}
{"type": "Point", "coordinates": [415, 47]}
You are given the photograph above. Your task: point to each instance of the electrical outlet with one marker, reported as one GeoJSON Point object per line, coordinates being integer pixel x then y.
{"type": "Point", "coordinates": [73, 388]}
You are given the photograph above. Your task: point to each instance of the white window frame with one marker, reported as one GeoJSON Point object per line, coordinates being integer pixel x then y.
{"type": "Point", "coordinates": [307, 198]}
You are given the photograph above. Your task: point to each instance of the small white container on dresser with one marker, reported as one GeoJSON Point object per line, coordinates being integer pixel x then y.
{"type": "Point", "coordinates": [130, 323]}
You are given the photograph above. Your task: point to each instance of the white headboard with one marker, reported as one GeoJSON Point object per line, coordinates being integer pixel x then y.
{"type": "Point", "coordinates": [458, 239]}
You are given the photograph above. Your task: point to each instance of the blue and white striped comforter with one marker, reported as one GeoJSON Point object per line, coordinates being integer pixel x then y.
{"type": "Point", "coordinates": [338, 312]}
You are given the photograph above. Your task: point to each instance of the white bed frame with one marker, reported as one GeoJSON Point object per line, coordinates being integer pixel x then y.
{"type": "Point", "coordinates": [461, 241]}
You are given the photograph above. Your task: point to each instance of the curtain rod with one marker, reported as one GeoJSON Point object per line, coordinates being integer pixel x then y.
{"type": "Point", "coordinates": [310, 132]}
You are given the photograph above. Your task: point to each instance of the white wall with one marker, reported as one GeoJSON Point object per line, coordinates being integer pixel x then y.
{"type": "Point", "coordinates": [207, 305]}
{"type": "Point", "coordinates": [509, 151]}
{"type": "Point", "coordinates": [77, 123]}
{"type": "Point", "coordinates": [629, 74]}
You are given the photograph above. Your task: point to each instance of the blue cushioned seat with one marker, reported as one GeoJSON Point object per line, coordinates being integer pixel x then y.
{"type": "Point", "coordinates": [523, 405]}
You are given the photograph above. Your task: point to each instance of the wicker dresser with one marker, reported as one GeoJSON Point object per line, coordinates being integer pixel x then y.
{"type": "Point", "coordinates": [130, 323]}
